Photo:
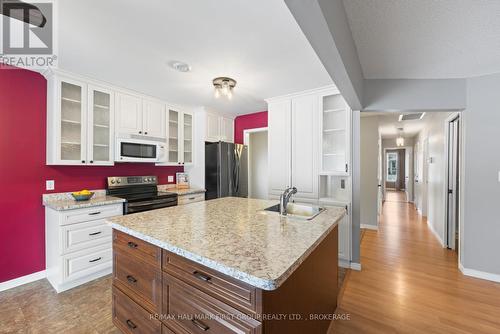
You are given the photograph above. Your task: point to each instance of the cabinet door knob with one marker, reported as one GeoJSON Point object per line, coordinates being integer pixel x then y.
{"type": "Point", "coordinates": [91, 161]}
{"type": "Point", "coordinates": [146, 133]}
{"type": "Point", "coordinates": [83, 161]}
{"type": "Point", "coordinates": [140, 132]}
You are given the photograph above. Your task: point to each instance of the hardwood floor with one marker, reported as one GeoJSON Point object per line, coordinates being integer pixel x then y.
{"type": "Point", "coordinates": [410, 284]}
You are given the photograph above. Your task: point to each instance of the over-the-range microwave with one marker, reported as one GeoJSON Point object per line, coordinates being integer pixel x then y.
{"type": "Point", "coordinates": [133, 148]}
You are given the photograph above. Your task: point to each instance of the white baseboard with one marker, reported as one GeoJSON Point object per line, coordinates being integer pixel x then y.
{"type": "Point", "coordinates": [431, 227]}
{"type": "Point", "coordinates": [22, 280]}
{"type": "Point", "coordinates": [369, 227]}
{"type": "Point", "coordinates": [356, 266]}
{"type": "Point", "coordinates": [479, 274]}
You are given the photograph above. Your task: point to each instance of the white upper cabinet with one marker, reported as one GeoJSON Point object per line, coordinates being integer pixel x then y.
{"type": "Point", "coordinates": [304, 119]}
{"type": "Point", "coordinates": [227, 129]}
{"type": "Point", "coordinates": [79, 122]}
{"type": "Point", "coordinates": [100, 148]}
{"type": "Point", "coordinates": [219, 128]}
{"type": "Point", "coordinates": [179, 138]}
{"type": "Point", "coordinates": [153, 118]}
{"type": "Point", "coordinates": [335, 135]}
{"type": "Point", "coordinates": [213, 127]}
{"type": "Point", "coordinates": [140, 116]}
{"type": "Point", "coordinates": [279, 143]}
{"type": "Point", "coordinates": [128, 114]}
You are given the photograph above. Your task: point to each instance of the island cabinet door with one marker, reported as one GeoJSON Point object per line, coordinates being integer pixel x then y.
{"type": "Point", "coordinates": [192, 311]}
{"type": "Point", "coordinates": [131, 318]}
{"type": "Point", "coordinates": [138, 279]}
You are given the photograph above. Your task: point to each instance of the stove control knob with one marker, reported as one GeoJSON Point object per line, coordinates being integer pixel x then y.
{"type": "Point", "coordinates": [118, 181]}
{"type": "Point", "coordinates": [113, 181]}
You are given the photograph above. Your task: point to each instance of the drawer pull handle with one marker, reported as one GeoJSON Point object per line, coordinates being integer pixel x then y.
{"type": "Point", "coordinates": [132, 244]}
{"type": "Point", "coordinates": [95, 213]}
{"type": "Point", "coordinates": [200, 325]}
{"type": "Point", "coordinates": [191, 198]}
{"type": "Point", "coordinates": [130, 324]}
{"type": "Point", "coordinates": [131, 279]}
{"type": "Point", "coordinates": [202, 276]}
{"type": "Point", "coordinates": [95, 233]}
{"type": "Point", "coordinates": [95, 260]}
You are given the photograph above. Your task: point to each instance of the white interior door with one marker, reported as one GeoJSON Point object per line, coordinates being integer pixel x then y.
{"type": "Point", "coordinates": [453, 182]}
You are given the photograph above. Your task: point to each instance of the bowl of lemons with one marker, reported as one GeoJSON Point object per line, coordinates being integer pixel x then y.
{"type": "Point", "coordinates": [83, 195]}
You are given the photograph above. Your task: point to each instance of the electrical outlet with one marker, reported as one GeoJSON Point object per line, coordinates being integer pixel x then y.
{"type": "Point", "coordinates": [50, 185]}
{"type": "Point", "coordinates": [170, 178]}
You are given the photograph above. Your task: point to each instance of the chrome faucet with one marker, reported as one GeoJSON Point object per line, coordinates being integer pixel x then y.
{"type": "Point", "coordinates": [285, 198]}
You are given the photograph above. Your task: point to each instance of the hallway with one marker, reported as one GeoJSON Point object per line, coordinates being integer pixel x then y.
{"type": "Point", "coordinates": [410, 284]}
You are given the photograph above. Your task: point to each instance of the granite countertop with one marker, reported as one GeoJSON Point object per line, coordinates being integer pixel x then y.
{"type": "Point", "coordinates": [71, 204]}
{"type": "Point", "coordinates": [231, 235]}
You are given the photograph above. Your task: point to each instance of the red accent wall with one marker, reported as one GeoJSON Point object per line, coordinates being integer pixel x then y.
{"type": "Point", "coordinates": [23, 173]}
{"type": "Point", "coordinates": [249, 121]}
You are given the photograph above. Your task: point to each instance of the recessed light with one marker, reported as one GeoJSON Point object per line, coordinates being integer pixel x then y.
{"type": "Point", "coordinates": [179, 66]}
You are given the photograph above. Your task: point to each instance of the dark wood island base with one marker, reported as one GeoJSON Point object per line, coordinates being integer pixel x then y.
{"type": "Point", "coordinates": [155, 291]}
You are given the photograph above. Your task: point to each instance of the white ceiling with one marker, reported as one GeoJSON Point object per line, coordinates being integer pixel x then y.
{"type": "Point", "coordinates": [388, 124]}
{"type": "Point", "coordinates": [129, 43]}
{"type": "Point", "coordinates": [416, 39]}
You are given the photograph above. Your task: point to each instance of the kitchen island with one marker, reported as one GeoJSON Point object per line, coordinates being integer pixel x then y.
{"type": "Point", "coordinates": [224, 266]}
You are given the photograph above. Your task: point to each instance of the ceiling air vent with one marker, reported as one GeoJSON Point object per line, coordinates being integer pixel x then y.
{"type": "Point", "coordinates": [411, 117]}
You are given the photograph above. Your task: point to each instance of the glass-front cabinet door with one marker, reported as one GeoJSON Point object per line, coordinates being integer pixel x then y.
{"type": "Point", "coordinates": [72, 106]}
{"type": "Point", "coordinates": [187, 132]}
{"type": "Point", "coordinates": [173, 137]}
{"type": "Point", "coordinates": [335, 135]}
{"type": "Point", "coordinates": [100, 126]}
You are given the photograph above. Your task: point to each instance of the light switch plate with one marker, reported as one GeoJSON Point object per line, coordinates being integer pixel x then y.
{"type": "Point", "coordinates": [170, 178]}
{"type": "Point", "coordinates": [50, 185]}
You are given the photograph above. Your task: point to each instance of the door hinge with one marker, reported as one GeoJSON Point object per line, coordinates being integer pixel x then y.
{"type": "Point", "coordinates": [450, 191]}
{"type": "Point", "coordinates": [347, 209]}
{"type": "Point", "coordinates": [346, 168]}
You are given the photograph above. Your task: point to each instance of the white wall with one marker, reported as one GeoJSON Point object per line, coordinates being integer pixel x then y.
{"type": "Point", "coordinates": [434, 197]}
{"type": "Point", "coordinates": [258, 168]}
{"type": "Point", "coordinates": [369, 171]}
{"type": "Point", "coordinates": [481, 222]}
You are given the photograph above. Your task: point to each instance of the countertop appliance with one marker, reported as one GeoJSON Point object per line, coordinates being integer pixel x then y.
{"type": "Point", "coordinates": [132, 148]}
{"type": "Point", "coordinates": [226, 170]}
{"type": "Point", "coordinates": [141, 193]}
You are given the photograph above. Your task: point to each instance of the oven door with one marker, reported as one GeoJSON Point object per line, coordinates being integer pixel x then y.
{"type": "Point", "coordinates": [146, 205]}
{"type": "Point", "coordinates": [130, 150]}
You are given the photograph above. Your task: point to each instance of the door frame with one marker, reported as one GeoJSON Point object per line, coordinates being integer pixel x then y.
{"type": "Point", "coordinates": [461, 148]}
{"type": "Point", "coordinates": [246, 141]}
{"type": "Point", "coordinates": [411, 171]}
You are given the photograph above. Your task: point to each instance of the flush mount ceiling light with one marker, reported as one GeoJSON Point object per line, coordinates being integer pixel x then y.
{"type": "Point", "coordinates": [224, 86]}
{"type": "Point", "coordinates": [179, 66]}
{"type": "Point", "coordinates": [400, 141]}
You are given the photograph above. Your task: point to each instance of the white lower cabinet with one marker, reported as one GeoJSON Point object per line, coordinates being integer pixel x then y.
{"type": "Point", "coordinates": [78, 245]}
{"type": "Point", "coordinates": [190, 198]}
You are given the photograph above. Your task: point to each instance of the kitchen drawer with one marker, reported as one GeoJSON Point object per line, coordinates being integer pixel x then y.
{"type": "Point", "coordinates": [94, 213]}
{"type": "Point", "coordinates": [130, 317]}
{"type": "Point", "coordinates": [86, 262]}
{"type": "Point", "coordinates": [85, 235]}
{"type": "Point", "coordinates": [136, 247]}
{"type": "Point", "coordinates": [197, 312]}
{"type": "Point", "coordinates": [138, 279]}
{"type": "Point", "coordinates": [233, 292]}
{"type": "Point", "coordinates": [192, 198]}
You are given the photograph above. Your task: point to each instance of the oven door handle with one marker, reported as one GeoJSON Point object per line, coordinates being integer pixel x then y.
{"type": "Point", "coordinates": [162, 201]}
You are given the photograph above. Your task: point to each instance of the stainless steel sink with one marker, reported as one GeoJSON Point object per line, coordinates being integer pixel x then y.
{"type": "Point", "coordinates": [298, 210]}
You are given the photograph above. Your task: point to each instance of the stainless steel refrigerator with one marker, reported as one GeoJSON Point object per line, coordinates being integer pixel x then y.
{"type": "Point", "coordinates": [226, 170]}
